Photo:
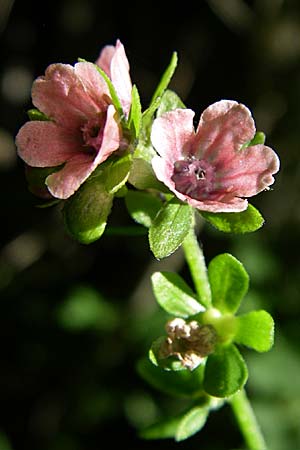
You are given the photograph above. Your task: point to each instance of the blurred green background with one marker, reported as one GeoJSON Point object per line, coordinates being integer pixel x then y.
{"type": "Point", "coordinates": [75, 319]}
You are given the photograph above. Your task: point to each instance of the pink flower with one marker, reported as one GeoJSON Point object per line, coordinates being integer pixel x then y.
{"type": "Point", "coordinates": [210, 169]}
{"type": "Point", "coordinates": [84, 127]}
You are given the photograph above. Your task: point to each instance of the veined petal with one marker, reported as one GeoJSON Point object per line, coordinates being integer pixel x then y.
{"type": "Point", "coordinates": [223, 128]}
{"type": "Point", "coordinates": [250, 171]}
{"type": "Point", "coordinates": [45, 144]}
{"type": "Point", "coordinates": [61, 95]}
{"type": "Point", "coordinates": [228, 204]}
{"type": "Point", "coordinates": [65, 182]}
{"type": "Point", "coordinates": [172, 133]}
{"type": "Point", "coordinates": [93, 83]}
{"type": "Point", "coordinates": [111, 136]}
{"type": "Point", "coordinates": [114, 62]}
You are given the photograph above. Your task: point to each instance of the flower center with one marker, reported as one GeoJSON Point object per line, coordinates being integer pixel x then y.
{"type": "Point", "coordinates": [92, 132]}
{"type": "Point", "coordinates": [195, 178]}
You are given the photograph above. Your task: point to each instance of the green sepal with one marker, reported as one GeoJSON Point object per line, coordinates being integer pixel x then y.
{"type": "Point", "coordinates": [157, 96]}
{"type": "Point", "coordinates": [174, 295]}
{"type": "Point", "coordinates": [170, 363]}
{"type": "Point", "coordinates": [135, 114]}
{"type": "Point", "coordinates": [35, 114]}
{"type": "Point", "coordinates": [86, 212]}
{"type": "Point", "coordinates": [169, 101]}
{"type": "Point", "coordinates": [236, 222]}
{"type": "Point", "coordinates": [142, 176]}
{"type": "Point", "coordinates": [169, 228]}
{"type": "Point", "coordinates": [229, 282]}
{"type": "Point", "coordinates": [36, 180]}
{"type": "Point", "coordinates": [182, 383]}
{"type": "Point", "coordinates": [181, 427]}
{"type": "Point", "coordinates": [116, 173]}
{"type": "Point", "coordinates": [166, 78]}
{"type": "Point", "coordinates": [259, 138]}
{"type": "Point", "coordinates": [255, 330]}
{"type": "Point", "coordinates": [142, 206]}
{"type": "Point", "coordinates": [225, 372]}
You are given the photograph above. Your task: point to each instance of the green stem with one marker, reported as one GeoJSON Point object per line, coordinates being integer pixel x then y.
{"type": "Point", "coordinates": [196, 262]}
{"type": "Point", "coordinates": [246, 419]}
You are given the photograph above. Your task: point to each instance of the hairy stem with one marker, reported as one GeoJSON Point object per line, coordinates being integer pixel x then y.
{"type": "Point", "coordinates": [246, 419]}
{"type": "Point", "coordinates": [196, 262]}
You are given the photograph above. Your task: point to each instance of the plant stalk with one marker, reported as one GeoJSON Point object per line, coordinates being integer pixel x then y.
{"type": "Point", "coordinates": [196, 262]}
{"type": "Point", "coordinates": [247, 421]}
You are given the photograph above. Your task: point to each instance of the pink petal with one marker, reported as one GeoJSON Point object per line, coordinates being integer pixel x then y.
{"type": "Point", "coordinates": [61, 95]}
{"type": "Point", "coordinates": [65, 182]}
{"type": "Point", "coordinates": [250, 171]}
{"type": "Point", "coordinates": [111, 136]}
{"type": "Point", "coordinates": [105, 58]}
{"type": "Point", "coordinates": [45, 144]}
{"type": "Point", "coordinates": [114, 62]}
{"type": "Point", "coordinates": [234, 204]}
{"type": "Point", "coordinates": [93, 84]}
{"type": "Point", "coordinates": [172, 133]}
{"type": "Point", "coordinates": [223, 128]}
{"type": "Point", "coordinates": [229, 203]}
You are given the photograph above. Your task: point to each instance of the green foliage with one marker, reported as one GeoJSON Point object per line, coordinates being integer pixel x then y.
{"type": "Point", "coordinates": [142, 206]}
{"type": "Point", "coordinates": [142, 175]}
{"type": "Point", "coordinates": [255, 330]}
{"type": "Point", "coordinates": [169, 101]}
{"type": "Point", "coordinates": [236, 222]}
{"type": "Point", "coordinates": [259, 138]}
{"type": "Point", "coordinates": [181, 427]}
{"type": "Point", "coordinates": [116, 173]}
{"type": "Point", "coordinates": [35, 114]}
{"type": "Point", "coordinates": [174, 295]}
{"type": "Point", "coordinates": [225, 372]}
{"type": "Point", "coordinates": [182, 383]}
{"type": "Point", "coordinates": [229, 282]}
{"type": "Point", "coordinates": [165, 79]}
{"type": "Point", "coordinates": [169, 363]}
{"type": "Point", "coordinates": [135, 114]}
{"type": "Point", "coordinates": [85, 308]}
{"type": "Point", "coordinates": [86, 212]}
{"type": "Point", "coordinates": [169, 228]}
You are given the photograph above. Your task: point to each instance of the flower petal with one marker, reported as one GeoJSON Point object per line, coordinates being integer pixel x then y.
{"type": "Point", "coordinates": [172, 133]}
{"type": "Point", "coordinates": [93, 83]}
{"type": "Point", "coordinates": [65, 182]}
{"type": "Point", "coordinates": [114, 62]}
{"type": "Point", "coordinates": [250, 171]}
{"type": "Point", "coordinates": [45, 144]}
{"type": "Point", "coordinates": [229, 204]}
{"type": "Point", "coordinates": [223, 128]}
{"type": "Point", "coordinates": [111, 136]}
{"type": "Point", "coordinates": [61, 95]}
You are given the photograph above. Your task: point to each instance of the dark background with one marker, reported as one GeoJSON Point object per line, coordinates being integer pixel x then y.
{"type": "Point", "coordinates": [75, 319]}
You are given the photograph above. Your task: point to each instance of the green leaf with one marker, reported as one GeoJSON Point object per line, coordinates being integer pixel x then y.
{"type": "Point", "coordinates": [142, 176]}
{"type": "Point", "coordinates": [236, 222]}
{"type": "Point", "coordinates": [166, 78]}
{"type": "Point", "coordinates": [135, 114]}
{"type": "Point", "coordinates": [255, 330]}
{"type": "Point", "coordinates": [169, 228]}
{"type": "Point", "coordinates": [116, 173]}
{"type": "Point", "coordinates": [86, 212]}
{"type": "Point", "coordinates": [84, 308]}
{"type": "Point", "coordinates": [180, 427]}
{"type": "Point", "coordinates": [225, 372]}
{"type": "Point", "coordinates": [174, 295]}
{"type": "Point", "coordinates": [35, 114]}
{"type": "Point", "coordinates": [169, 101]}
{"type": "Point", "coordinates": [192, 422]}
{"type": "Point", "coordinates": [36, 179]}
{"type": "Point", "coordinates": [229, 282]}
{"type": "Point", "coordinates": [182, 383]}
{"type": "Point", "coordinates": [142, 206]}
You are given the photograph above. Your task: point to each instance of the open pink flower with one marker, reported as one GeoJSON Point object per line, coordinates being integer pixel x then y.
{"type": "Point", "coordinates": [211, 169]}
{"type": "Point", "coordinates": [84, 127]}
